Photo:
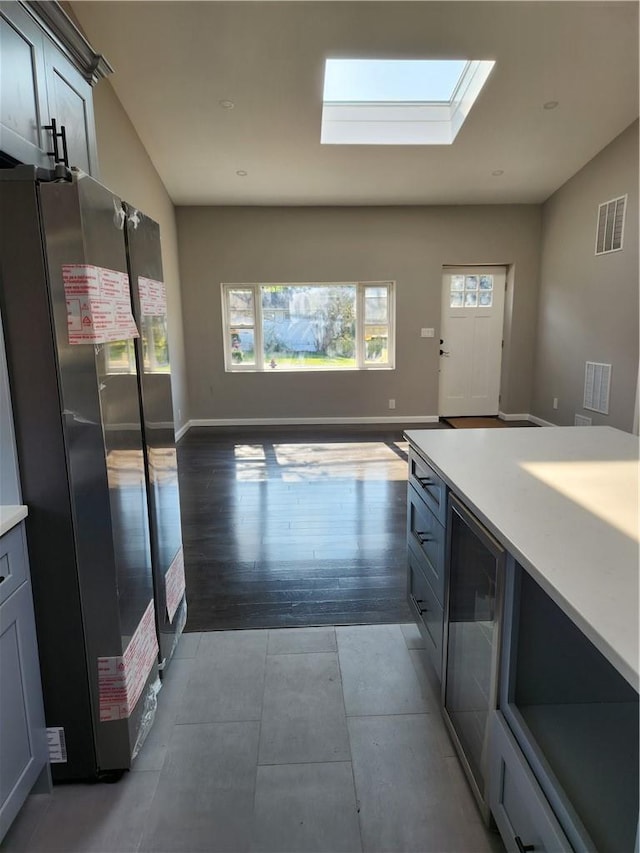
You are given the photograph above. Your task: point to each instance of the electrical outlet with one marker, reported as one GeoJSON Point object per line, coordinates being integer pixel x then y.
{"type": "Point", "coordinates": [392, 403]}
{"type": "Point", "coordinates": [555, 402]}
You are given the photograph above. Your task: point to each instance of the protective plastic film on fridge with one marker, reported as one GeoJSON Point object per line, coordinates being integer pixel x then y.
{"type": "Point", "coordinates": [149, 301]}
{"type": "Point", "coordinates": [68, 327]}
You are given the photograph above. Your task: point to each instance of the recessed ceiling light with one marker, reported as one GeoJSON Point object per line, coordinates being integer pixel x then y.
{"type": "Point", "coordinates": [241, 173]}
{"type": "Point", "coordinates": [226, 105]}
{"type": "Point", "coordinates": [551, 105]}
{"type": "Point", "coordinates": [398, 102]}
{"type": "Point", "coordinates": [497, 172]}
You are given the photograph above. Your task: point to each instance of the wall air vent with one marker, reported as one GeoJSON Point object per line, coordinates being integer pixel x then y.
{"type": "Point", "coordinates": [597, 383]}
{"type": "Point", "coordinates": [610, 225]}
{"type": "Point", "coordinates": [582, 420]}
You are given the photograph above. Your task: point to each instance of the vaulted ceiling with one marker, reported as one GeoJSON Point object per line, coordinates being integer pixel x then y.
{"type": "Point", "coordinates": [176, 61]}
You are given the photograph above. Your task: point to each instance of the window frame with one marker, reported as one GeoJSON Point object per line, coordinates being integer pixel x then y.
{"type": "Point", "coordinates": [360, 349]}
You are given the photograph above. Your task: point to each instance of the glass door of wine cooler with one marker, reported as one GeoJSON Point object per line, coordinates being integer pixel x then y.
{"type": "Point", "coordinates": [476, 569]}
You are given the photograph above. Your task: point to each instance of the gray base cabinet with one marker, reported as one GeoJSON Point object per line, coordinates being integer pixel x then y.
{"type": "Point", "coordinates": [426, 512]}
{"type": "Point", "coordinates": [23, 736]}
{"type": "Point", "coordinates": [560, 742]}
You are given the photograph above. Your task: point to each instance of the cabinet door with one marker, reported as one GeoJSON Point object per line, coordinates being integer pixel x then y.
{"type": "Point", "coordinates": [520, 810]}
{"type": "Point", "coordinates": [23, 739]}
{"type": "Point", "coordinates": [23, 96]}
{"type": "Point", "coordinates": [70, 103]}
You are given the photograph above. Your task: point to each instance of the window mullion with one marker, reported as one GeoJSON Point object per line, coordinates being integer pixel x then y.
{"type": "Point", "coordinates": [360, 348]}
{"type": "Point", "coordinates": [257, 327]}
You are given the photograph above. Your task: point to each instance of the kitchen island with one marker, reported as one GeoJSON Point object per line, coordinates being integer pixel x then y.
{"type": "Point", "coordinates": [560, 506]}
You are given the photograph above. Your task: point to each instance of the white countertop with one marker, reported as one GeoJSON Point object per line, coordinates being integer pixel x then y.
{"type": "Point", "coordinates": [10, 516]}
{"type": "Point", "coordinates": [564, 502]}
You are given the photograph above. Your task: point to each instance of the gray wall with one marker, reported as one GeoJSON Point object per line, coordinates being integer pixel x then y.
{"type": "Point", "coordinates": [588, 304]}
{"type": "Point", "coordinates": [409, 245]}
{"type": "Point", "coordinates": [126, 169]}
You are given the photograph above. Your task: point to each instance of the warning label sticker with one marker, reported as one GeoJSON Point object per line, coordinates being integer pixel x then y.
{"type": "Point", "coordinates": [153, 297]}
{"type": "Point", "coordinates": [121, 679]}
{"type": "Point", "coordinates": [98, 304]}
{"type": "Point", "coordinates": [175, 584]}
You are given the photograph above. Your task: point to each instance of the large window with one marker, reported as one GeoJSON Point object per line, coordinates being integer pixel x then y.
{"type": "Point", "coordinates": [328, 326]}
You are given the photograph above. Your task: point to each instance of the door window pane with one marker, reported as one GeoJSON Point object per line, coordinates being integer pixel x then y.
{"type": "Point", "coordinates": [456, 300]}
{"type": "Point", "coordinates": [486, 282]}
{"type": "Point", "coordinates": [471, 300]}
{"type": "Point", "coordinates": [485, 299]}
{"type": "Point", "coordinates": [457, 282]}
{"type": "Point", "coordinates": [471, 282]}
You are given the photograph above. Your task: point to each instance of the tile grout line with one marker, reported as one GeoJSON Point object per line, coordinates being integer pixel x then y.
{"type": "Point", "coordinates": [255, 775]}
{"type": "Point", "coordinates": [353, 775]}
{"type": "Point", "coordinates": [157, 774]}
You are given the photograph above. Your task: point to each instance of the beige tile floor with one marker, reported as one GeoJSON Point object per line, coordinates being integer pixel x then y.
{"type": "Point", "coordinates": [310, 739]}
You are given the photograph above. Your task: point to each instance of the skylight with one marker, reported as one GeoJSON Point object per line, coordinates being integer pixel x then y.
{"type": "Point", "coordinates": [398, 102]}
{"type": "Point", "coordinates": [391, 80]}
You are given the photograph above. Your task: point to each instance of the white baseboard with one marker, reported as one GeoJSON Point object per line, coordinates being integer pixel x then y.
{"type": "Point", "coordinates": [184, 429]}
{"type": "Point", "coordinates": [525, 417]}
{"type": "Point", "coordinates": [540, 421]}
{"type": "Point", "coordinates": [241, 422]}
{"type": "Point", "coordinates": [505, 417]}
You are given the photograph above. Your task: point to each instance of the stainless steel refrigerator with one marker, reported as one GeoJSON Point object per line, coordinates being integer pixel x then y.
{"type": "Point", "coordinates": [144, 257]}
{"type": "Point", "coordinates": [69, 329]}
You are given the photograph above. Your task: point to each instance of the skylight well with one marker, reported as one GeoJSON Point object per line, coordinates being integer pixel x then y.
{"type": "Point", "coordinates": [398, 102]}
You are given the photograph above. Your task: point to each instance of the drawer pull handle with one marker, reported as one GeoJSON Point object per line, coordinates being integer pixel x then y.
{"type": "Point", "coordinates": [523, 848]}
{"type": "Point", "coordinates": [426, 481]}
{"type": "Point", "coordinates": [423, 537]}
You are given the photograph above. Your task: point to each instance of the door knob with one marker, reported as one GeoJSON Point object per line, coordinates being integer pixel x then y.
{"type": "Point", "coordinates": [444, 352]}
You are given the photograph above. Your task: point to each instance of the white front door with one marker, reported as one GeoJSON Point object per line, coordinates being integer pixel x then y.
{"type": "Point", "coordinates": [471, 333]}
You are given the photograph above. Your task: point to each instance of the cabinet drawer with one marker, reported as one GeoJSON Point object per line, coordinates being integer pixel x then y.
{"type": "Point", "coordinates": [425, 535]}
{"type": "Point", "coordinates": [428, 612]}
{"type": "Point", "coordinates": [429, 485]}
{"type": "Point", "coordinates": [13, 562]}
{"type": "Point", "coordinates": [517, 803]}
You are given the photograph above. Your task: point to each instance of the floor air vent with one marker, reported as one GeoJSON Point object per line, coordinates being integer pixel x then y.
{"type": "Point", "coordinates": [610, 225]}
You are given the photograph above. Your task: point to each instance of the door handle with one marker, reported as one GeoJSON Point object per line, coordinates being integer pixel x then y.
{"type": "Point", "coordinates": [423, 537]}
{"type": "Point", "coordinates": [444, 352]}
{"type": "Point", "coordinates": [421, 610]}
{"type": "Point", "coordinates": [55, 136]}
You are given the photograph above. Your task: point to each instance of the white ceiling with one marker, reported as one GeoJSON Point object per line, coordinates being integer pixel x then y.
{"type": "Point", "coordinates": [175, 61]}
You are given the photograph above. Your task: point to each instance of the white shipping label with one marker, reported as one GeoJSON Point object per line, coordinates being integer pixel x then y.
{"type": "Point", "coordinates": [98, 305]}
{"type": "Point", "coordinates": [153, 297]}
{"type": "Point", "coordinates": [121, 679]}
{"type": "Point", "coordinates": [57, 745]}
{"type": "Point", "coordinates": [175, 584]}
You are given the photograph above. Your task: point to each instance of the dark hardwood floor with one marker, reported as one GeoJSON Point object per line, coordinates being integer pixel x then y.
{"type": "Point", "coordinates": [293, 527]}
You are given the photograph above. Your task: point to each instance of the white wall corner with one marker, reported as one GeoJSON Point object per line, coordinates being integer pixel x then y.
{"type": "Point", "coordinates": [184, 429]}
